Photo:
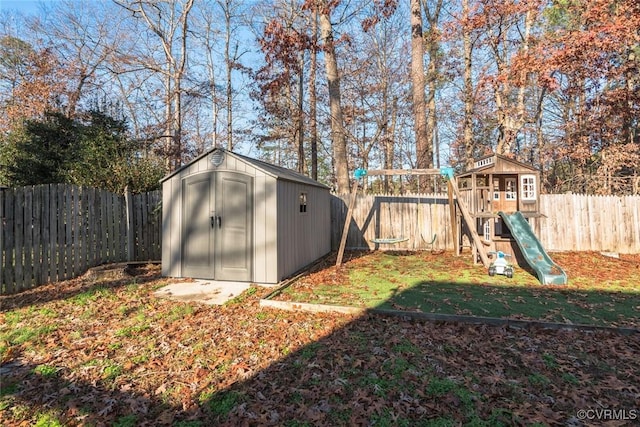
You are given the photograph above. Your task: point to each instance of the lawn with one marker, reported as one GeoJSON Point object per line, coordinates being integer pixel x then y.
{"type": "Point", "coordinates": [602, 291]}
{"type": "Point", "coordinates": [94, 353]}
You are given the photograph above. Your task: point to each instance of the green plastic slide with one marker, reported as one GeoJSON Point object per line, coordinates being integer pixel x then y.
{"type": "Point", "coordinates": [548, 272]}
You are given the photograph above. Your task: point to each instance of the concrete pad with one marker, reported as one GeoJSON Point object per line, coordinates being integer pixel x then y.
{"type": "Point", "coordinates": [211, 292]}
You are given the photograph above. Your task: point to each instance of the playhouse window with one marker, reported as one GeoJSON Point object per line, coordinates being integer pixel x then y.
{"type": "Point", "coordinates": [528, 187]}
{"type": "Point", "coordinates": [487, 230]}
{"type": "Point", "coordinates": [303, 202]}
{"type": "Point", "coordinates": [510, 191]}
{"type": "Point", "coordinates": [496, 189]}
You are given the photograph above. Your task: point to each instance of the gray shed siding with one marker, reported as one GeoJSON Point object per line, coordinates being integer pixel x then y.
{"type": "Point", "coordinates": [303, 237]}
{"type": "Point", "coordinates": [283, 239]}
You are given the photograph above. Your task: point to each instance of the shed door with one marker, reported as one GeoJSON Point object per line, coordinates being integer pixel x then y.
{"type": "Point", "coordinates": [197, 231]}
{"type": "Point", "coordinates": [233, 244]}
{"type": "Point", "coordinates": [217, 226]}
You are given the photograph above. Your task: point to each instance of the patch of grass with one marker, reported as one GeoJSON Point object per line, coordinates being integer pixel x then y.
{"type": "Point", "coordinates": [339, 416]}
{"type": "Point", "coordinates": [452, 285]}
{"type": "Point", "coordinates": [47, 420]}
{"type": "Point", "coordinates": [387, 419]}
{"type": "Point", "coordinates": [7, 388]}
{"type": "Point", "coordinates": [6, 403]}
{"type": "Point", "coordinates": [222, 403]}
{"type": "Point", "coordinates": [179, 312]}
{"type": "Point", "coordinates": [46, 371]}
{"type": "Point", "coordinates": [405, 347]}
{"type": "Point", "coordinates": [12, 318]}
{"type": "Point", "coordinates": [131, 331]}
{"type": "Point", "coordinates": [115, 346]}
{"type": "Point", "coordinates": [397, 366]}
{"type": "Point", "coordinates": [539, 380]}
{"type": "Point", "coordinates": [90, 295]}
{"type": "Point", "coordinates": [240, 299]}
{"type": "Point", "coordinates": [549, 361]}
{"type": "Point", "coordinates": [23, 334]}
{"type": "Point", "coordinates": [296, 397]}
{"type": "Point", "coordinates": [309, 351]}
{"type": "Point", "coordinates": [570, 378]}
{"type": "Point", "coordinates": [439, 422]}
{"type": "Point", "coordinates": [439, 387]}
{"type": "Point", "coordinates": [377, 384]}
{"type": "Point", "coordinates": [111, 371]}
{"type": "Point", "coordinates": [141, 358]}
{"type": "Point", "coordinates": [126, 421]}
{"type": "Point", "coordinates": [47, 312]}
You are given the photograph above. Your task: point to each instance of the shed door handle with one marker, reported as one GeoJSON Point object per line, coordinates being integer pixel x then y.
{"type": "Point", "coordinates": [219, 221]}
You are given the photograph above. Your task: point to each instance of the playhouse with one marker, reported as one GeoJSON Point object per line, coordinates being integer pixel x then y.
{"type": "Point", "coordinates": [498, 199]}
{"type": "Point", "coordinates": [498, 184]}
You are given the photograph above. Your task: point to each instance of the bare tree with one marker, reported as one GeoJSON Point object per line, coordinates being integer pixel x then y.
{"type": "Point", "coordinates": [209, 34]}
{"type": "Point", "coordinates": [169, 22]}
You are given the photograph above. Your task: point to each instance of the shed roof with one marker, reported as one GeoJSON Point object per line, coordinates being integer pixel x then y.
{"type": "Point", "coordinates": [269, 169]}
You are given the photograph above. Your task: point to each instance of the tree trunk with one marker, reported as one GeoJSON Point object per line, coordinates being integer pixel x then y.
{"type": "Point", "coordinates": [333, 80]}
{"type": "Point", "coordinates": [467, 125]}
{"type": "Point", "coordinates": [433, 70]}
{"type": "Point", "coordinates": [212, 80]}
{"type": "Point", "coordinates": [228, 62]}
{"type": "Point", "coordinates": [417, 77]}
{"type": "Point", "coordinates": [389, 141]}
{"type": "Point", "coordinates": [313, 124]}
{"type": "Point", "coordinates": [300, 116]}
{"type": "Point", "coordinates": [168, 125]}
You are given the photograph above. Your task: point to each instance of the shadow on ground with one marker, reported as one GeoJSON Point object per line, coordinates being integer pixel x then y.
{"type": "Point", "coordinates": [243, 365]}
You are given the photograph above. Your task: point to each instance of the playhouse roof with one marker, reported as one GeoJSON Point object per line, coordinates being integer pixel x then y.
{"type": "Point", "coordinates": [499, 164]}
{"type": "Point", "coordinates": [276, 172]}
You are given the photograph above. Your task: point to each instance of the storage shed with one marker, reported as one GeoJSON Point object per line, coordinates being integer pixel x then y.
{"type": "Point", "coordinates": [230, 217]}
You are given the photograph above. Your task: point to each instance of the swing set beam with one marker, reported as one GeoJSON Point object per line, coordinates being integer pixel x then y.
{"type": "Point", "coordinates": [452, 187]}
{"type": "Point", "coordinates": [354, 192]}
{"type": "Point", "coordinates": [403, 172]}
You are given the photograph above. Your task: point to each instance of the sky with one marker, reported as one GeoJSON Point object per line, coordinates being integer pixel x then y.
{"type": "Point", "coordinates": [28, 7]}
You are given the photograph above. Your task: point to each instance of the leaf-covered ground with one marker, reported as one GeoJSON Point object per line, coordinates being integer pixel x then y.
{"type": "Point", "coordinates": [110, 353]}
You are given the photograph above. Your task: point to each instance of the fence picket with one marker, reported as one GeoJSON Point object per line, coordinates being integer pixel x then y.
{"type": "Point", "coordinates": [37, 220]}
{"type": "Point", "coordinates": [62, 249]}
{"type": "Point", "coordinates": [54, 232]}
{"type": "Point", "coordinates": [570, 222]}
{"type": "Point", "coordinates": [19, 235]}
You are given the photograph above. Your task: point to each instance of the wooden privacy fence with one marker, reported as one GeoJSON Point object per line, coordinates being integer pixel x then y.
{"type": "Point", "coordinates": [590, 223]}
{"type": "Point", "coordinates": [58, 231]}
{"type": "Point", "coordinates": [417, 218]}
{"type": "Point", "coordinates": [571, 222]}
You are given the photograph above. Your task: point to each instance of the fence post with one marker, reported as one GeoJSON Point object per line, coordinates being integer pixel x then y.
{"type": "Point", "coordinates": [129, 210]}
